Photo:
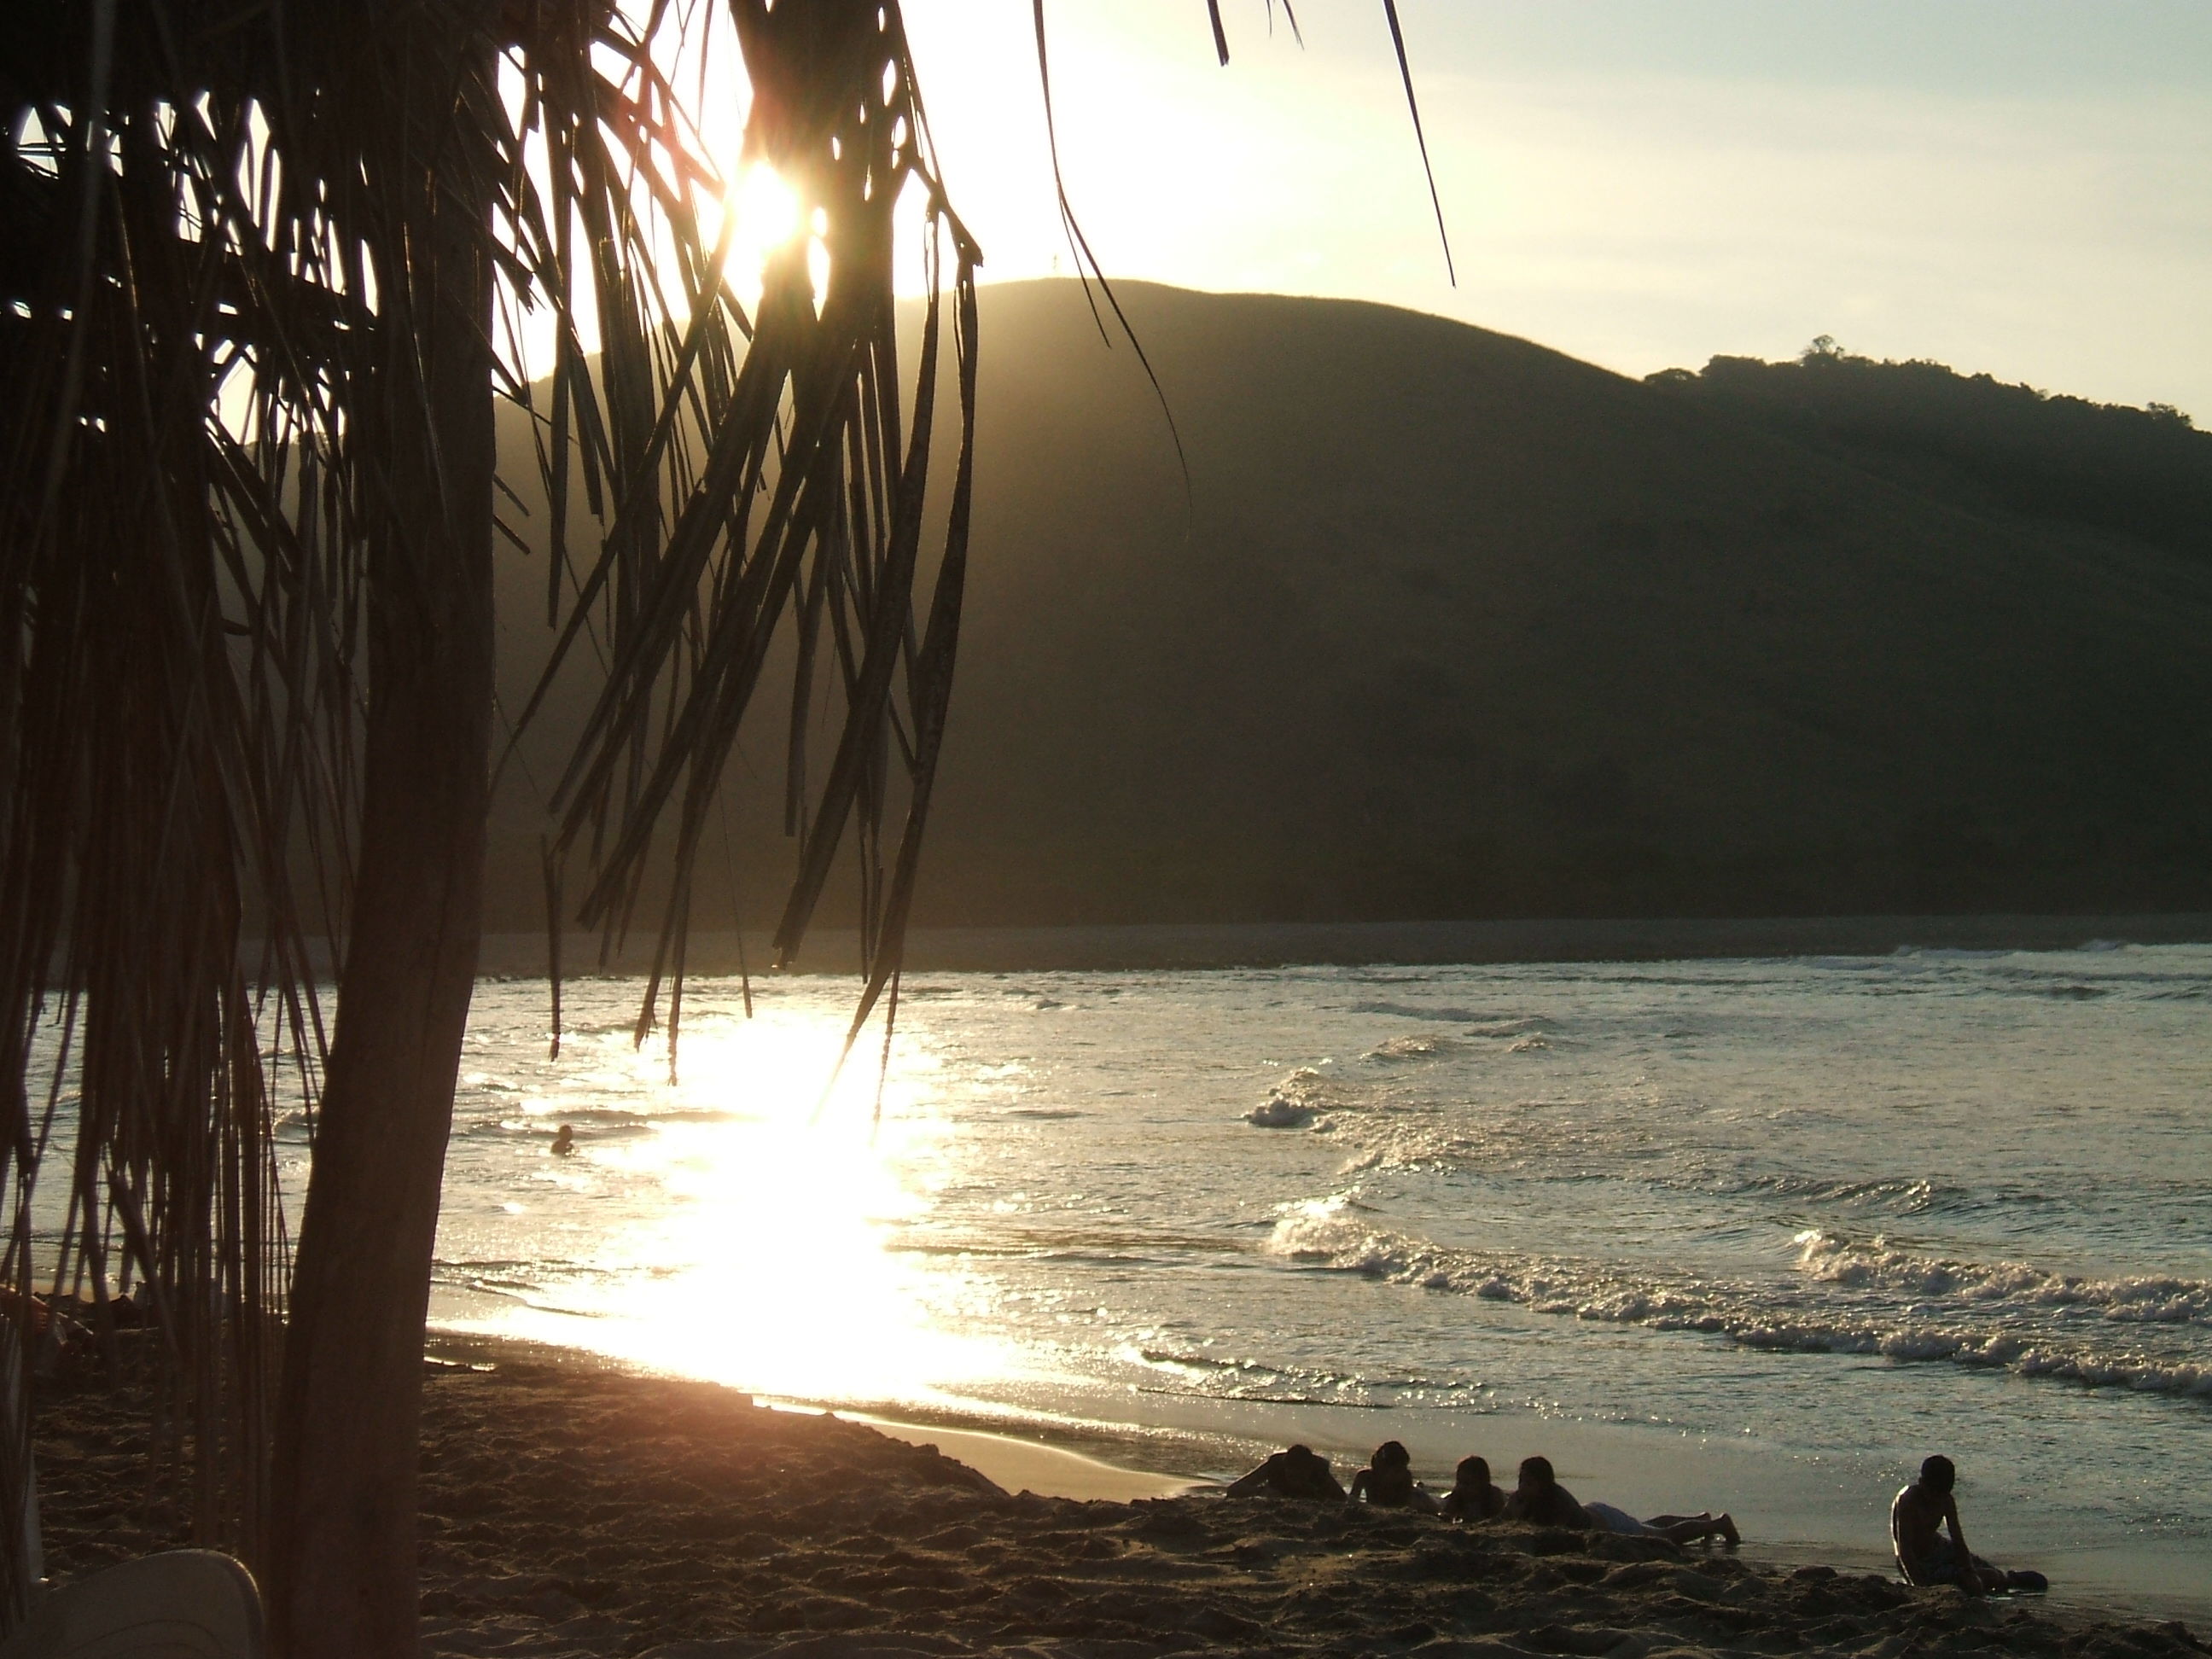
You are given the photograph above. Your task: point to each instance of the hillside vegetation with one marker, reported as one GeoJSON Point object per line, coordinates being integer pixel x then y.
{"type": "Point", "coordinates": [2144, 472]}
{"type": "Point", "coordinates": [1455, 626]}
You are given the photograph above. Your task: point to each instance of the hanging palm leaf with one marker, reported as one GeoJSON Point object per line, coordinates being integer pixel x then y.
{"type": "Point", "coordinates": [262, 270]}
{"type": "Point", "coordinates": [253, 269]}
{"type": "Point", "coordinates": [769, 471]}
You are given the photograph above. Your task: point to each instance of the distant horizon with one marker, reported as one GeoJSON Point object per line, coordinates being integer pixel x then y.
{"type": "Point", "coordinates": [1136, 947]}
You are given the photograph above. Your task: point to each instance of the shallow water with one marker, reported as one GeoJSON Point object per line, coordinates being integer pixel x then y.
{"type": "Point", "coordinates": [1752, 1234]}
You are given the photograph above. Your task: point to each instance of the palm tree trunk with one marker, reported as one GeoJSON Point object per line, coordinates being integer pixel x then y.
{"type": "Point", "coordinates": [342, 1562]}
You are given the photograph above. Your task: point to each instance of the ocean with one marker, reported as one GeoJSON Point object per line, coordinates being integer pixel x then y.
{"type": "Point", "coordinates": [1755, 1235]}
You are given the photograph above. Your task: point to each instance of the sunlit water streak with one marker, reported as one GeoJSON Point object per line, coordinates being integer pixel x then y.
{"type": "Point", "coordinates": [1836, 1212]}
{"type": "Point", "coordinates": [738, 1224]}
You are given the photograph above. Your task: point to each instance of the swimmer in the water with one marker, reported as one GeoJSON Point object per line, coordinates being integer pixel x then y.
{"type": "Point", "coordinates": [564, 1141]}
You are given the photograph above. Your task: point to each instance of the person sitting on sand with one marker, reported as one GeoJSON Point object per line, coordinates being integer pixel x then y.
{"type": "Point", "coordinates": [1925, 1557]}
{"type": "Point", "coordinates": [1472, 1497]}
{"type": "Point", "coordinates": [1542, 1501]}
{"type": "Point", "coordinates": [1388, 1481]}
{"type": "Point", "coordinates": [1296, 1472]}
{"type": "Point", "coordinates": [1674, 1529]}
{"type": "Point", "coordinates": [564, 1141]}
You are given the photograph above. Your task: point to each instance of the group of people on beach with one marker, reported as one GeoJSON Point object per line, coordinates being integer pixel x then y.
{"type": "Point", "coordinates": [1388, 1482]}
{"type": "Point", "coordinates": [1919, 1518]}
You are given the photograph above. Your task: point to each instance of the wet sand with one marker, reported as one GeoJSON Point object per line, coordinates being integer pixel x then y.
{"type": "Point", "coordinates": [568, 1509]}
{"type": "Point", "coordinates": [1019, 1464]}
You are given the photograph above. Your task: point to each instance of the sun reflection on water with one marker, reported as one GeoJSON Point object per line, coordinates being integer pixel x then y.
{"type": "Point", "coordinates": [750, 1219]}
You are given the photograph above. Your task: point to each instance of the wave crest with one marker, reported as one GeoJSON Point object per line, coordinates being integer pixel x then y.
{"type": "Point", "coordinates": [1296, 1101]}
{"type": "Point", "coordinates": [2003, 1315]}
{"type": "Point", "coordinates": [1874, 1265]}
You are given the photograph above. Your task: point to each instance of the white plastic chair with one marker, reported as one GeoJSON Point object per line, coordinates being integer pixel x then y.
{"type": "Point", "coordinates": [184, 1604]}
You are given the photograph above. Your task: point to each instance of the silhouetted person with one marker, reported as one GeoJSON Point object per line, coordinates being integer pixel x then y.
{"type": "Point", "coordinates": [1388, 1481]}
{"type": "Point", "coordinates": [564, 1141]}
{"type": "Point", "coordinates": [1472, 1497]}
{"type": "Point", "coordinates": [1924, 1555]}
{"type": "Point", "coordinates": [1540, 1500]}
{"type": "Point", "coordinates": [1295, 1472]}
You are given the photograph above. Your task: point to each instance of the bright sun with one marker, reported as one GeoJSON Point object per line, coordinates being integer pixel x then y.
{"type": "Point", "coordinates": [768, 213]}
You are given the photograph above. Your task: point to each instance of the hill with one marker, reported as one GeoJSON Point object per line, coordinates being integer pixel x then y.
{"type": "Point", "coordinates": [1455, 626]}
{"type": "Point", "coordinates": [1972, 437]}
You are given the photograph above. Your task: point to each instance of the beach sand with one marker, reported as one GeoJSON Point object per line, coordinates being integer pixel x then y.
{"type": "Point", "coordinates": [1016, 1464]}
{"type": "Point", "coordinates": [572, 1510]}
{"type": "Point", "coordinates": [568, 1509]}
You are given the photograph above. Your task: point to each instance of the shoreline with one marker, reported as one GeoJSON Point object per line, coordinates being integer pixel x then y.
{"type": "Point", "coordinates": [1139, 947]}
{"type": "Point", "coordinates": [568, 1508]}
{"type": "Point", "coordinates": [1051, 1470]}
{"type": "Point", "coordinates": [1605, 1461]}
{"type": "Point", "coordinates": [1021, 1464]}
{"type": "Point", "coordinates": [1787, 1522]}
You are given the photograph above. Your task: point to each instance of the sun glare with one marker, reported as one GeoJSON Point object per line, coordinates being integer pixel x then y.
{"type": "Point", "coordinates": [760, 1252]}
{"type": "Point", "coordinates": [768, 215]}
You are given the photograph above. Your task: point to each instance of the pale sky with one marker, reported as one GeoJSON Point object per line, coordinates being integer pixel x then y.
{"type": "Point", "coordinates": [2023, 187]}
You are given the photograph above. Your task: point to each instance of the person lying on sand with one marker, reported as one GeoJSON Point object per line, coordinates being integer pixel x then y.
{"type": "Point", "coordinates": [1388, 1481]}
{"type": "Point", "coordinates": [1542, 1501]}
{"type": "Point", "coordinates": [1674, 1529]}
{"type": "Point", "coordinates": [1924, 1556]}
{"type": "Point", "coordinates": [1472, 1497]}
{"type": "Point", "coordinates": [1295, 1472]}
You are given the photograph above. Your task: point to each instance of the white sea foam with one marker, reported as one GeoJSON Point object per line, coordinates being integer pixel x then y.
{"type": "Point", "coordinates": [1296, 1101]}
{"type": "Point", "coordinates": [2005, 1315]}
{"type": "Point", "coordinates": [1943, 1127]}
{"type": "Point", "coordinates": [1398, 1049]}
{"type": "Point", "coordinates": [1874, 1264]}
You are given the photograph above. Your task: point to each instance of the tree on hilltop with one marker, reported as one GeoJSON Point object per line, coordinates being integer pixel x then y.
{"type": "Point", "coordinates": [2142, 473]}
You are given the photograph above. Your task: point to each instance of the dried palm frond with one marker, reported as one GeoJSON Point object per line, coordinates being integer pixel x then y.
{"type": "Point", "coordinates": [253, 266]}
{"type": "Point", "coordinates": [756, 468]}
{"type": "Point", "coordinates": [178, 713]}
{"type": "Point", "coordinates": [249, 266]}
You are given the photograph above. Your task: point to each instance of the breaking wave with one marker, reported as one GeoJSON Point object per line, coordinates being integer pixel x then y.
{"type": "Point", "coordinates": [1400, 1049]}
{"type": "Point", "coordinates": [1898, 1195]}
{"type": "Point", "coordinates": [1298, 1100]}
{"type": "Point", "coordinates": [1849, 1297]}
{"type": "Point", "coordinates": [1874, 1265]}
